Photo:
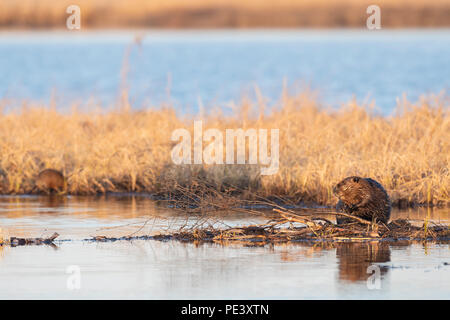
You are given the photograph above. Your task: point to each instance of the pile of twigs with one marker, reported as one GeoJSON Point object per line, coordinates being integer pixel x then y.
{"type": "Point", "coordinates": [283, 224]}
{"type": "Point", "coordinates": [289, 227]}
{"type": "Point", "coordinates": [286, 224]}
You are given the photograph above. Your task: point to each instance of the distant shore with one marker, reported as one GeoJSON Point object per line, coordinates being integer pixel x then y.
{"type": "Point", "coordinates": [202, 14]}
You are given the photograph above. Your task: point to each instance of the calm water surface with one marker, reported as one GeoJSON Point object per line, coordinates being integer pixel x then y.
{"type": "Point", "coordinates": [214, 68]}
{"type": "Point", "coordinates": [173, 270]}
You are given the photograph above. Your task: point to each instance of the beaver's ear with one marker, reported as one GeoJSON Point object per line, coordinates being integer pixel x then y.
{"type": "Point", "coordinates": [356, 179]}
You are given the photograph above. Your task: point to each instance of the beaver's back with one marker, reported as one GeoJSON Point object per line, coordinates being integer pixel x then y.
{"type": "Point", "coordinates": [364, 198]}
{"type": "Point", "coordinates": [50, 180]}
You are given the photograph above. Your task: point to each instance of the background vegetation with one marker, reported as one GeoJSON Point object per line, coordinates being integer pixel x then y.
{"type": "Point", "coordinates": [127, 150]}
{"type": "Point", "coordinates": [223, 13]}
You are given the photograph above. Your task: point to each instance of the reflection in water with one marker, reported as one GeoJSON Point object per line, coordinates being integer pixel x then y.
{"type": "Point", "coordinates": [49, 203]}
{"type": "Point", "coordinates": [298, 251]}
{"type": "Point", "coordinates": [355, 258]}
{"type": "Point", "coordinates": [2, 252]}
{"type": "Point", "coordinates": [438, 215]}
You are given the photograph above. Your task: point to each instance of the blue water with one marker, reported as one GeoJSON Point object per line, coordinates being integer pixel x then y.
{"type": "Point", "coordinates": [215, 68]}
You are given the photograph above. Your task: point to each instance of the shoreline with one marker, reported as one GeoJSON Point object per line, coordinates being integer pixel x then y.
{"type": "Point", "coordinates": [225, 14]}
{"type": "Point", "coordinates": [400, 204]}
{"type": "Point", "coordinates": [55, 32]}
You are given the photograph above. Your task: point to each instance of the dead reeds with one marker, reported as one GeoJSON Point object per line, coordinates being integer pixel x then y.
{"type": "Point", "coordinates": [130, 151]}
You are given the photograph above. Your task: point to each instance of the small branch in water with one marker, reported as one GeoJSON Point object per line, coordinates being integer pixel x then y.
{"type": "Point", "coordinates": [13, 241]}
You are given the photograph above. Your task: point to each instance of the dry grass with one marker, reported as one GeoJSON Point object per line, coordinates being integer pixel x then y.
{"type": "Point", "coordinates": [130, 151]}
{"type": "Point", "coordinates": [223, 13]}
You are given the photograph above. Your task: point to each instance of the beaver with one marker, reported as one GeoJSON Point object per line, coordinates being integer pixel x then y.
{"type": "Point", "coordinates": [50, 180]}
{"type": "Point", "coordinates": [364, 198]}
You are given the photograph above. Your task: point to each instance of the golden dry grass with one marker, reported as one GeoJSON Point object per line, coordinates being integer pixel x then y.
{"type": "Point", "coordinates": [223, 13]}
{"type": "Point", "coordinates": [126, 150]}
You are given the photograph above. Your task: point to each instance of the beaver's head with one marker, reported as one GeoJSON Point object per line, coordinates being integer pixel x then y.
{"type": "Point", "coordinates": [352, 190]}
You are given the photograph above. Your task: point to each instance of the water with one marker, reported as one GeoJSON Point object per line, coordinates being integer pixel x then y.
{"type": "Point", "coordinates": [166, 270]}
{"type": "Point", "coordinates": [174, 270]}
{"type": "Point", "coordinates": [214, 68]}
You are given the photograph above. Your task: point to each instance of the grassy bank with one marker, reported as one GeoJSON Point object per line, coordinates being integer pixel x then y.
{"type": "Point", "coordinates": [408, 153]}
{"type": "Point", "coordinates": [223, 13]}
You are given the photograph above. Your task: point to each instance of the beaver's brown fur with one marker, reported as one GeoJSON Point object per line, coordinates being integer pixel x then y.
{"type": "Point", "coordinates": [364, 198]}
{"type": "Point", "coordinates": [50, 180]}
